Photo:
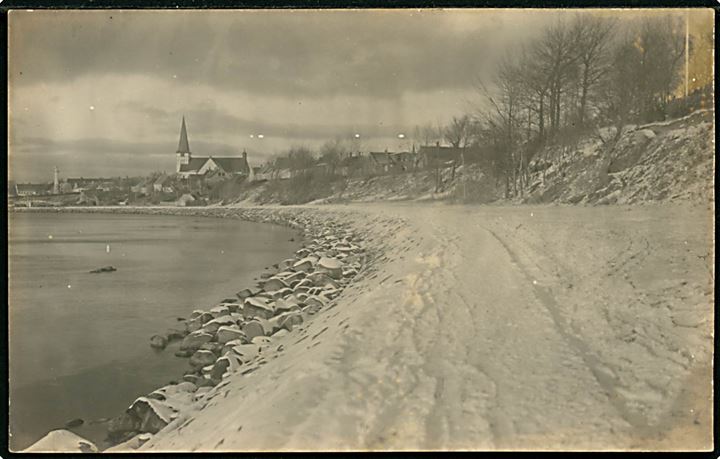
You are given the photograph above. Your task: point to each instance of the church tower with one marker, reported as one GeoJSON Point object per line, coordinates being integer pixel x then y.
{"type": "Point", "coordinates": [183, 151]}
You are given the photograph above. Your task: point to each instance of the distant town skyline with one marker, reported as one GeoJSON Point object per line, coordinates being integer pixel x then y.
{"type": "Point", "coordinates": [102, 93]}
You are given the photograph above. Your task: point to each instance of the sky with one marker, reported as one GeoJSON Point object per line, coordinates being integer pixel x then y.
{"type": "Point", "coordinates": [102, 93]}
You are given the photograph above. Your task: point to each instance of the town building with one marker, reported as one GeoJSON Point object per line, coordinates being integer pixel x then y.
{"type": "Point", "coordinates": [32, 189]}
{"type": "Point", "coordinates": [189, 166]}
{"type": "Point", "coordinates": [163, 184]}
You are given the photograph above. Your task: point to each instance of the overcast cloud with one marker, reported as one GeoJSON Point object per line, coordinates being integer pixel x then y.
{"type": "Point", "coordinates": [91, 89]}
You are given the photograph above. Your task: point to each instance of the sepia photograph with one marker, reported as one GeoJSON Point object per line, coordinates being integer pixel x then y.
{"type": "Point", "coordinates": [256, 230]}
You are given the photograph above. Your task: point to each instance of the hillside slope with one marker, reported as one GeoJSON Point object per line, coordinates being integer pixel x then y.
{"type": "Point", "coordinates": [666, 161]}
{"type": "Point", "coordinates": [659, 162]}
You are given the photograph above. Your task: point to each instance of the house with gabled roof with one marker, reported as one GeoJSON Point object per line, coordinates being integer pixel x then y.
{"type": "Point", "coordinates": [432, 156]}
{"type": "Point", "coordinates": [32, 189]}
{"type": "Point", "coordinates": [188, 166]}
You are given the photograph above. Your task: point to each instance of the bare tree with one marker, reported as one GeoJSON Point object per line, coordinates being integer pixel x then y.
{"type": "Point", "coordinates": [555, 55]}
{"type": "Point", "coordinates": [502, 120]}
{"type": "Point", "coordinates": [594, 36]}
{"type": "Point", "coordinates": [427, 134]}
{"type": "Point", "coordinates": [459, 132]}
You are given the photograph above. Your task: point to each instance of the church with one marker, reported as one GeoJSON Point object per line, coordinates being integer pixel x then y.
{"type": "Point", "coordinates": [188, 166]}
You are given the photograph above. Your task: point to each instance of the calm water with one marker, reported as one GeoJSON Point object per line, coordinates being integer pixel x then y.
{"type": "Point", "coordinates": [79, 342]}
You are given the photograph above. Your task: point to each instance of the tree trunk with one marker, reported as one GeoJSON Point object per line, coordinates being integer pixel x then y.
{"type": "Point", "coordinates": [583, 95]}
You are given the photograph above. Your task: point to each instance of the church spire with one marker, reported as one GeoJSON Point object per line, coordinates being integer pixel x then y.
{"type": "Point", "coordinates": [183, 146]}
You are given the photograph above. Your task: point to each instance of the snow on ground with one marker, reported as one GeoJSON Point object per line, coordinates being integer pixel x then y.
{"type": "Point", "coordinates": [490, 328]}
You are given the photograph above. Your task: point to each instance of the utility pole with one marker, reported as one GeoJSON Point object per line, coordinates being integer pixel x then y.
{"type": "Point", "coordinates": [56, 184]}
{"type": "Point", "coordinates": [687, 51]}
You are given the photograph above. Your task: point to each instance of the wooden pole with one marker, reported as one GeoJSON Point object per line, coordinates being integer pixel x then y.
{"type": "Point", "coordinates": [687, 52]}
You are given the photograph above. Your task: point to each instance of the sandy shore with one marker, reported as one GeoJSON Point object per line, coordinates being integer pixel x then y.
{"type": "Point", "coordinates": [485, 328]}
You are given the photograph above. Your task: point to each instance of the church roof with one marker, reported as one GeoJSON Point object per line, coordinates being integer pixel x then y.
{"type": "Point", "coordinates": [233, 165]}
{"type": "Point", "coordinates": [183, 145]}
{"type": "Point", "coordinates": [193, 165]}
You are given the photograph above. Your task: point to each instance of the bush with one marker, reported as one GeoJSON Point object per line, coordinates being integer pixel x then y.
{"type": "Point", "coordinates": [302, 188]}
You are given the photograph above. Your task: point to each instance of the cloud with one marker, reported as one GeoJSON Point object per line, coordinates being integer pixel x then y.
{"type": "Point", "coordinates": [287, 53]}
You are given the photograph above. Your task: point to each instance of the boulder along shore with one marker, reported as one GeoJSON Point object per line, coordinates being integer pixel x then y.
{"type": "Point", "coordinates": [242, 332]}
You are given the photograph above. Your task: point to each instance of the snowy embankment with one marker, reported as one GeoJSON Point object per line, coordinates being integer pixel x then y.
{"type": "Point", "coordinates": [487, 328]}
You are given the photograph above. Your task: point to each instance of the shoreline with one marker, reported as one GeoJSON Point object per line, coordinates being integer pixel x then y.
{"type": "Point", "coordinates": [237, 334]}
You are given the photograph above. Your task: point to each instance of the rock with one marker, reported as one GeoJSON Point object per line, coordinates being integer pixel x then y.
{"type": "Point", "coordinates": [303, 285]}
{"type": "Point", "coordinates": [193, 325]}
{"type": "Point", "coordinates": [245, 293]}
{"type": "Point", "coordinates": [282, 293]}
{"type": "Point", "coordinates": [349, 272]}
{"type": "Point", "coordinates": [322, 279]}
{"type": "Point", "coordinates": [201, 358]}
{"type": "Point", "coordinates": [213, 347]}
{"type": "Point", "coordinates": [192, 378]}
{"type": "Point", "coordinates": [286, 305]}
{"type": "Point", "coordinates": [158, 342]}
{"type": "Point", "coordinates": [302, 297]}
{"type": "Point", "coordinates": [315, 302]}
{"type": "Point", "coordinates": [74, 423]}
{"type": "Point", "coordinates": [226, 319]}
{"type": "Point", "coordinates": [330, 292]}
{"type": "Point", "coordinates": [257, 327]}
{"type": "Point", "coordinates": [295, 278]}
{"type": "Point", "coordinates": [287, 263]}
{"type": "Point", "coordinates": [153, 415]}
{"type": "Point", "coordinates": [204, 383]}
{"type": "Point", "coordinates": [173, 334]}
{"type": "Point", "coordinates": [289, 320]}
{"type": "Point", "coordinates": [211, 327]}
{"type": "Point", "coordinates": [280, 333]}
{"type": "Point", "coordinates": [121, 427]}
{"type": "Point", "coordinates": [261, 340]}
{"type": "Point", "coordinates": [205, 317]}
{"type": "Point", "coordinates": [229, 333]}
{"type": "Point", "coordinates": [62, 441]}
{"type": "Point", "coordinates": [195, 339]}
{"type": "Point", "coordinates": [231, 344]}
{"type": "Point", "coordinates": [219, 311]}
{"type": "Point", "coordinates": [186, 386]}
{"type": "Point", "coordinates": [305, 265]}
{"type": "Point", "coordinates": [332, 266]}
{"type": "Point", "coordinates": [157, 395]}
{"type": "Point", "coordinates": [218, 370]}
{"type": "Point", "coordinates": [273, 284]}
{"type": "Point", "coordinates": [257, 307]}
{"type": "Point", "coordinates": [202, 391]}
{"type": "Point", "coordinates": [104, 269]}
{"type": "Point", "coordinates": [228, 363]}
{"type": "Point", "coordinates": [227, 301]}
{"type": "Point", "coordinates": [246, 352]}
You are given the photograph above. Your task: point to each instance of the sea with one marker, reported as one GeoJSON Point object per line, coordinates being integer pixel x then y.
{"type": "Point", "coordinates": [79, 342]}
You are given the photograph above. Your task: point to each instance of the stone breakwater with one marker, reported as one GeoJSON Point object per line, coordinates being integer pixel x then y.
{"type": "Point", "coordinates": [241, 333]}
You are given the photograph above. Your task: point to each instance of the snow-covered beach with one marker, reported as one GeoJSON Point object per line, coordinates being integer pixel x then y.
{"type": "Point", "coordinates": [483, 328]}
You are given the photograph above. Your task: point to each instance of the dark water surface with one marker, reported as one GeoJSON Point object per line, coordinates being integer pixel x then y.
{"type": "Point", "coordinates": [79, 342]}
